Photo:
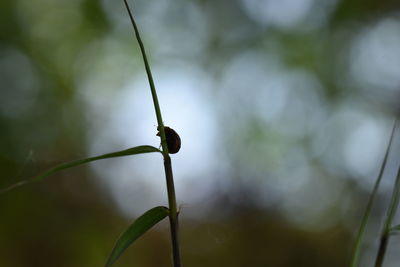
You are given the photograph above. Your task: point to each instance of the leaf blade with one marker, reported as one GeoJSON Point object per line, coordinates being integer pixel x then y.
{"type": "Point", "coordinates": [140, 226]}
{"type": "Point", "coordinates": [127, 152]}
{"type": "Point", "coordinates": [395, 230]}
{"type": "Point", "coordinates": [371, 200]}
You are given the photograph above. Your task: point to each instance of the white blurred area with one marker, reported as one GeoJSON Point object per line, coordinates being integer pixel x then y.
{"type": "Point", "coordinates": [296, 15]}
{"type": "Point", "coordinates": [187, 108]}
{"type": "Point", "coordinates": [259, 122]}
{"type": "Point", "coordinates": [375, 61]}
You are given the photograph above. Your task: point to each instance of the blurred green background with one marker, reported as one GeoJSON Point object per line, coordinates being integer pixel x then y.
{"type": "Point", "coordinates": [284, 109]}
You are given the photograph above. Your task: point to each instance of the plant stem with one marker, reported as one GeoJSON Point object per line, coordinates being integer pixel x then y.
{"type": "Point", "coordinates": [388, 222]}
{"type": "Point", "coordinates": [361, 231]}
{"type": "Point", "coordinates": [173, 218]}
{"type": "Point", "coordinates": [173, 214]}
{"type": "Point", "coordinates": [382, 250]}
{"type": "Point", "coordinates": [148, 72]}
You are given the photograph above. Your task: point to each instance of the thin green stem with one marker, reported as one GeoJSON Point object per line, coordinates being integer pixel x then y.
{"type": "Point", "coordinates": [173, 211]}
{"type": "Point", "coordinates": [173, 214]}
{"type": "Point", "coordinates": [151, 82]}
{"type": "Point", "coordinates": [361, 231]}
{"type": "Point", "coordinates": [394, 203]}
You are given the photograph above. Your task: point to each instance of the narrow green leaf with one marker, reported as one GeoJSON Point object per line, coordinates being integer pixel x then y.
{"type": "Point", "coordinates": [361, 231]}
{"type": "Point", "coordinates": [386, 231]}
{"type": "Point", "coordinates": [137, 229]}
{"type": "Point", "coordinates": [394, 203]}
{"type": "Point", "coordinates": [67, 165]}
{"type": "Point", "coordinates": [395, 230]}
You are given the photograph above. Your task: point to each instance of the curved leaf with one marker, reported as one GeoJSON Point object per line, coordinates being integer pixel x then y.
{"type": "Point", "coordinates": [138, 228]}
{"type": "Point", "coordinates": [67, 165]}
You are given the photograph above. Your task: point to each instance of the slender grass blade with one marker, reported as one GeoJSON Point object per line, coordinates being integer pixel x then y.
{"type": "Point", "coordinates": [70, 164]}
{"type": "Point", "coordinates": [361, 231]}
{"type": "Point", "coordinates": [137, 229]}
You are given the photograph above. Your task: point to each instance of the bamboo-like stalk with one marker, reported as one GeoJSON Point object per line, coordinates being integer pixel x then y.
{"type": "Point", "coordinates": [173, 214]}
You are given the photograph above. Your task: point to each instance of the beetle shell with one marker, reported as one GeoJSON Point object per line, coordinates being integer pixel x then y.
{"type": "Point", "coordinates": [173, 140]}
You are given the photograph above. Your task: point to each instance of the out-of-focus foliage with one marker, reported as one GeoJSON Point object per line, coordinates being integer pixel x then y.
{"type": "Point", "coordinates": [284, 109]}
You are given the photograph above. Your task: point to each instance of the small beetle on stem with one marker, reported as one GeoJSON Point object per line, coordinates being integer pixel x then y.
{"type": "Point", "coordinates": [173, 139]}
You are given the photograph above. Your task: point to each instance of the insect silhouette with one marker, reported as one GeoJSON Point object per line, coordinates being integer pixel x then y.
{"type": "Point", "coordinates": [173, 139]}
